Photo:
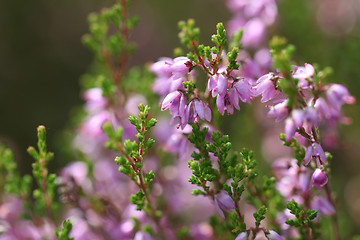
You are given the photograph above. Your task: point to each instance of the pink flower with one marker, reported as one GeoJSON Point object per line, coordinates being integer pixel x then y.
{"type": "Point", "coordinates": [177, 142]}
{"type": "Point", "coordinates": [197, 108]}
{"type": "Point", "coordinates": [272, 235]}
{"type": "Point", "coordinates": [243, 90]}
{"type": "Point", "coordinates": [143, 236]}
{"type": "Point", "coordinates": [180, 67]}
{"type": "Point", "coordinates": [308, 115]}
{"type": "Point", "coordinates": [242, 236]}
{"type": "Point", "coordinates": [290, 129]}
{"type": "Point", "coordinates": [93, 124]}
{"type": "Point", "coordinates": [218, 85]}
{"type": "Point", "coordinates": [319, 179]}
{"type": "Point", "coordinates": [175, 102]}
{"type": "Point", "coordinates": [228, 102]}
{"type": "Point", "coordinates": [162, 67]}
{"type": "Point", "coordinates": [303, 74]}
{"type": "Point", "coordinates": [265, 86]}
{"type": "Point", "coordinates": [337, 95]}
{"type": "Point", "coordinates": [263, 58]}
{"type": "Point", "coordinates": [322, 205]}
{"type": "Point", "coordinates": [254, 33]}
{"type": "Point", "coordinates": [314, 151]}
{"type": "Point", "coordinates": [279, 111]}
{"type": "Point", "coordinates": [95, 101]}
{"type": "Point", "coordinates": [169, 75]}
{"type": "Point", "coordinates": [224, 202]}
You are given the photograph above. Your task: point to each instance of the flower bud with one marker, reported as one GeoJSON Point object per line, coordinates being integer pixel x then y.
{"type": "Point", "coordinates": [224, 202]}
{"type": "Point", "coordinates": [319, 179]}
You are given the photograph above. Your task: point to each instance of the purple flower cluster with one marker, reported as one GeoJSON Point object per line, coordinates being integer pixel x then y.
{"type": "Point", "coordinates": [294, 183]}
{"type": "Point", "coordinates": [90, 138]}
{"type": "Point", "coordinates": [324, 108]}
{"type": "Point", "coordinates": [254, 17]}
{"type": "Point", "coordinates": [13, 226]}
{"type": "Point", "coordinates": [96, 191]}
{"type": "Point", "coordinates": [317, 105]}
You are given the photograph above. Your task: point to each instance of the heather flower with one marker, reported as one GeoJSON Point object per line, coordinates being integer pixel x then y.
{"type": "Point", "coordinates": [314, 151]}
{"type": "Point", "coordinates": [23, 229]}
{"type": "Point", "coordinates": [323, 108]}
{"type": "Point", "coordinates": [143, 236]}
{"type": "Point", "coordinates": [332, 113]}
{"type": "Point", "coordinates": [132, 104]}
{"type": "Point", "coordinates": [266, 87]}
{"type": "Point", "coordinates": [223, 202]}
{"type": "Point", "coordinates": [254, 33]}
{"type": "Point", "coordinates": [298, 119]}
{"type": "Point", "coordinates": [286, 230]}
{"type": "Point", "coordinates": [263, 58]}
{"type": "Point", "coordinates": [308, 115]}
{"type": "Point", "coordinates": [164, 81]}
{"type": "Point", "coordinates": [162, 67]}
{"type": "Point", "coordinates": [322, 205]}
{"type": "Point", "coordinates": [319, 179]}
{"type": "Point", "coordinates": [197, 109]}
{"type": "Point", "coordinates": [202, 231]}
{"type": "Point", "coordinates": [337, 95]}
{"type": "Point", "coordinates": [92, 125]}
{"type": "Point", "coordinates": [279, 111]}
{"type": "Point", "coordinates": [178, 143]}
{"type": "Point", "coordinates": [290, 129]}
{"type": "Point", "coordinates": [218, 85]}
{"type": "Point", "coordinates": [180, 67]}
{"type": "Point", "coordinates": [242, 236]}
{"type": "Point", "coordinates": [303, 74]}
{"type": "Point", "coordinates": [264, 10]}
{"type": "Point", "coordinates": [77, 172]}
{"type": "Point", "coordinates": [272, 235]}
{"type": "Point", "coordinates": [95, 102]}
{"type": "Point", "coordinates": [11, 209]}
{"type": "Point", "coordinates": [176, 103]}
{"type": "Point", "coordinates": [227, 102]}
{"type": "Point", "coordinates": [250, 69]}
{"type": "Point", "coordinates": [243, 90]}
{"type": "Point", "coordinates": [292, 180]}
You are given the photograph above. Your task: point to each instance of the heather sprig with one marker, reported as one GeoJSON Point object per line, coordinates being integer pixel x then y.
{"type": "Point", "coordinates": [26, 210]}
{"type": "Point", "coordinates": [310, 102]}
{"type": "Point", "coordinates": [63, 234]}
{"type": "Point", "coordinates": [142, 203]}
{"type": "Point", "coordinates": [303, 221]}
{"type": "Point", "coordinates": [176, 82]}
{"type": "Point", "coordinates": [11, 181]}
{"type": "Point", "coordinates": [227, 183]}
{"type": "Point", "coordinates": [132, 159]}
{"type": "Point", "coordinates": [45, 193]}
{"type": "Point", "coordinates": [109, 38]}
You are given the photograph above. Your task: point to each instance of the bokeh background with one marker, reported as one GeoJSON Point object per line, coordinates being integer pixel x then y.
{"type": "Point", "coordinates": [42, 59]}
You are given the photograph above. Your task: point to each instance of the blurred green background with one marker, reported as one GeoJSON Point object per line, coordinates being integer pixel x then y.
{"type": "Point", "coordinates": [42, 59]}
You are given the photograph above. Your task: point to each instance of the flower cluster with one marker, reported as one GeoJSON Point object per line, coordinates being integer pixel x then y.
{"type": "Point", "coordinates": [124, 186]}
{"type": "Point", "coordinates": [254, 17]}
